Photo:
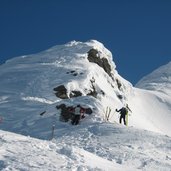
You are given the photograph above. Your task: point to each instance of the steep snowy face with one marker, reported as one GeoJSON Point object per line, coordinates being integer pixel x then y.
{"type": "Point", "coordinates": [70, 74]}
{"type": "Point", "coordinates": [158, 80]}
{"type": "Point", "coordinates": [154, 103]}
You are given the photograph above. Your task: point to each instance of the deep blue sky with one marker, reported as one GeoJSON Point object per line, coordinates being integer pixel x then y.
{"type": "Point", "coordinates": [137, 32]}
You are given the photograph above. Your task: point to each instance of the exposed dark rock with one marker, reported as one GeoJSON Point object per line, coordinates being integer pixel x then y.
{"type": "Point", "coordinates": [75, 94]}
{"type": "Point", "coordinates": [93, 92]}
{"type": "Point", "coordinates": [102, 92]}
{"type": "Point", "coordinates": [112, 86]}
{"type": "Point", "coordinates": [119, 84]}
{"type": "Point", "coordinates": [92, 53]}
{"type": "Point", "coordinates": [88, 111]}
{"type": "Point", "coordinates": [102, 62]}
{"type": "Point", "coordinates": [61, 92]}
{"type": "Point", "coordinates": [66, 113]}
{"type": "Point", "coordinates": [120, 96]}
{"type": "Point", "coordinates": [70, 72]}
{"type": "Point", "coordinates": [75, 74]}
{"type": "Point", "coordinates": [106, 66]}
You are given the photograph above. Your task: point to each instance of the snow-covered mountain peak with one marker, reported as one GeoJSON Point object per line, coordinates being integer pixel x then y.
{"type": "Point", "coordinates": [158, 80]}
{"type": "Point", "coordinates": [73, 50]}
{"type": "Point", "coordinates": [36, 93]}
{"type": "Point", "coordinates": [70, 74]}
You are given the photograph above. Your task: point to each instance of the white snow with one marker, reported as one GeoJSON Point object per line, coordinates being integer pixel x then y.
{"type": "Point", "coordinates": [158, 80]}
{"type": "Point", "coordinates": [87, 147]}
{"type": "Point", "coordinates": [26, 90]}
{"type": "Point", "coordinates": [151, 111]}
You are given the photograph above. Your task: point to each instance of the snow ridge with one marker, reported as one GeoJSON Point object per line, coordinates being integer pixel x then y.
{"type": "Point", "coordinates": [158, 80]}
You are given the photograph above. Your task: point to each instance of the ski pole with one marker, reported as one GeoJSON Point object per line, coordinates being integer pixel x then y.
{"type": "Point", "coordinates": [53, 128]}
{"type": "Point", "coordinates": [112, 115]}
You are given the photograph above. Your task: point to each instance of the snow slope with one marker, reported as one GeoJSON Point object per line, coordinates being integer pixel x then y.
{"type": "Point", "coordinates": [88, 147]}
{"type": "Point", "coordinates": [158, 80]}
{"type": "Point", "coordinates": [154, 102]}
{"type": "Point", "coordinates": [27, 89]}
{"type": "Point", "coordinates": [151, 111]}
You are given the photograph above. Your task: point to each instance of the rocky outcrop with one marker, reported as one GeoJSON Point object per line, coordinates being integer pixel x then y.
{"type": "Point", "coordinates": [88, 111]}
{"type": "Point", "coordinates": [102, 62]}
{"type": "Point", "coordinates": [93, 92]}
{"type": "Point", "coordinates": [118, 84]}
{"type": "Point", "coordinates": [65, 114]}
{"type": "Point", "coordinates": [61, 92]}
{"type": "Point", "coordinates": [75, 94]}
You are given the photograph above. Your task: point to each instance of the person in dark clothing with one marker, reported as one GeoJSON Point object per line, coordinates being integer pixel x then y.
{"type": "Point", "coordinates": [75, 120]}
{"type": "Point", "coordinates": [78, 114]}
{"type": "Point", "coordinates": [123, 112]}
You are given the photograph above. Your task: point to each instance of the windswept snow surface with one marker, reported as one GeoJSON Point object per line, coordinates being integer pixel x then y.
{"type": "Point", "coordinates": [154, 102]}
{"type": "Point", "coordinates": [87, 147]}
{"type": "Point", "coordinates": [158, 80]}
{"type": "Point", "coordinates": [151, 111]}
{"type": "Point", "coordinates": [26, 90]}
